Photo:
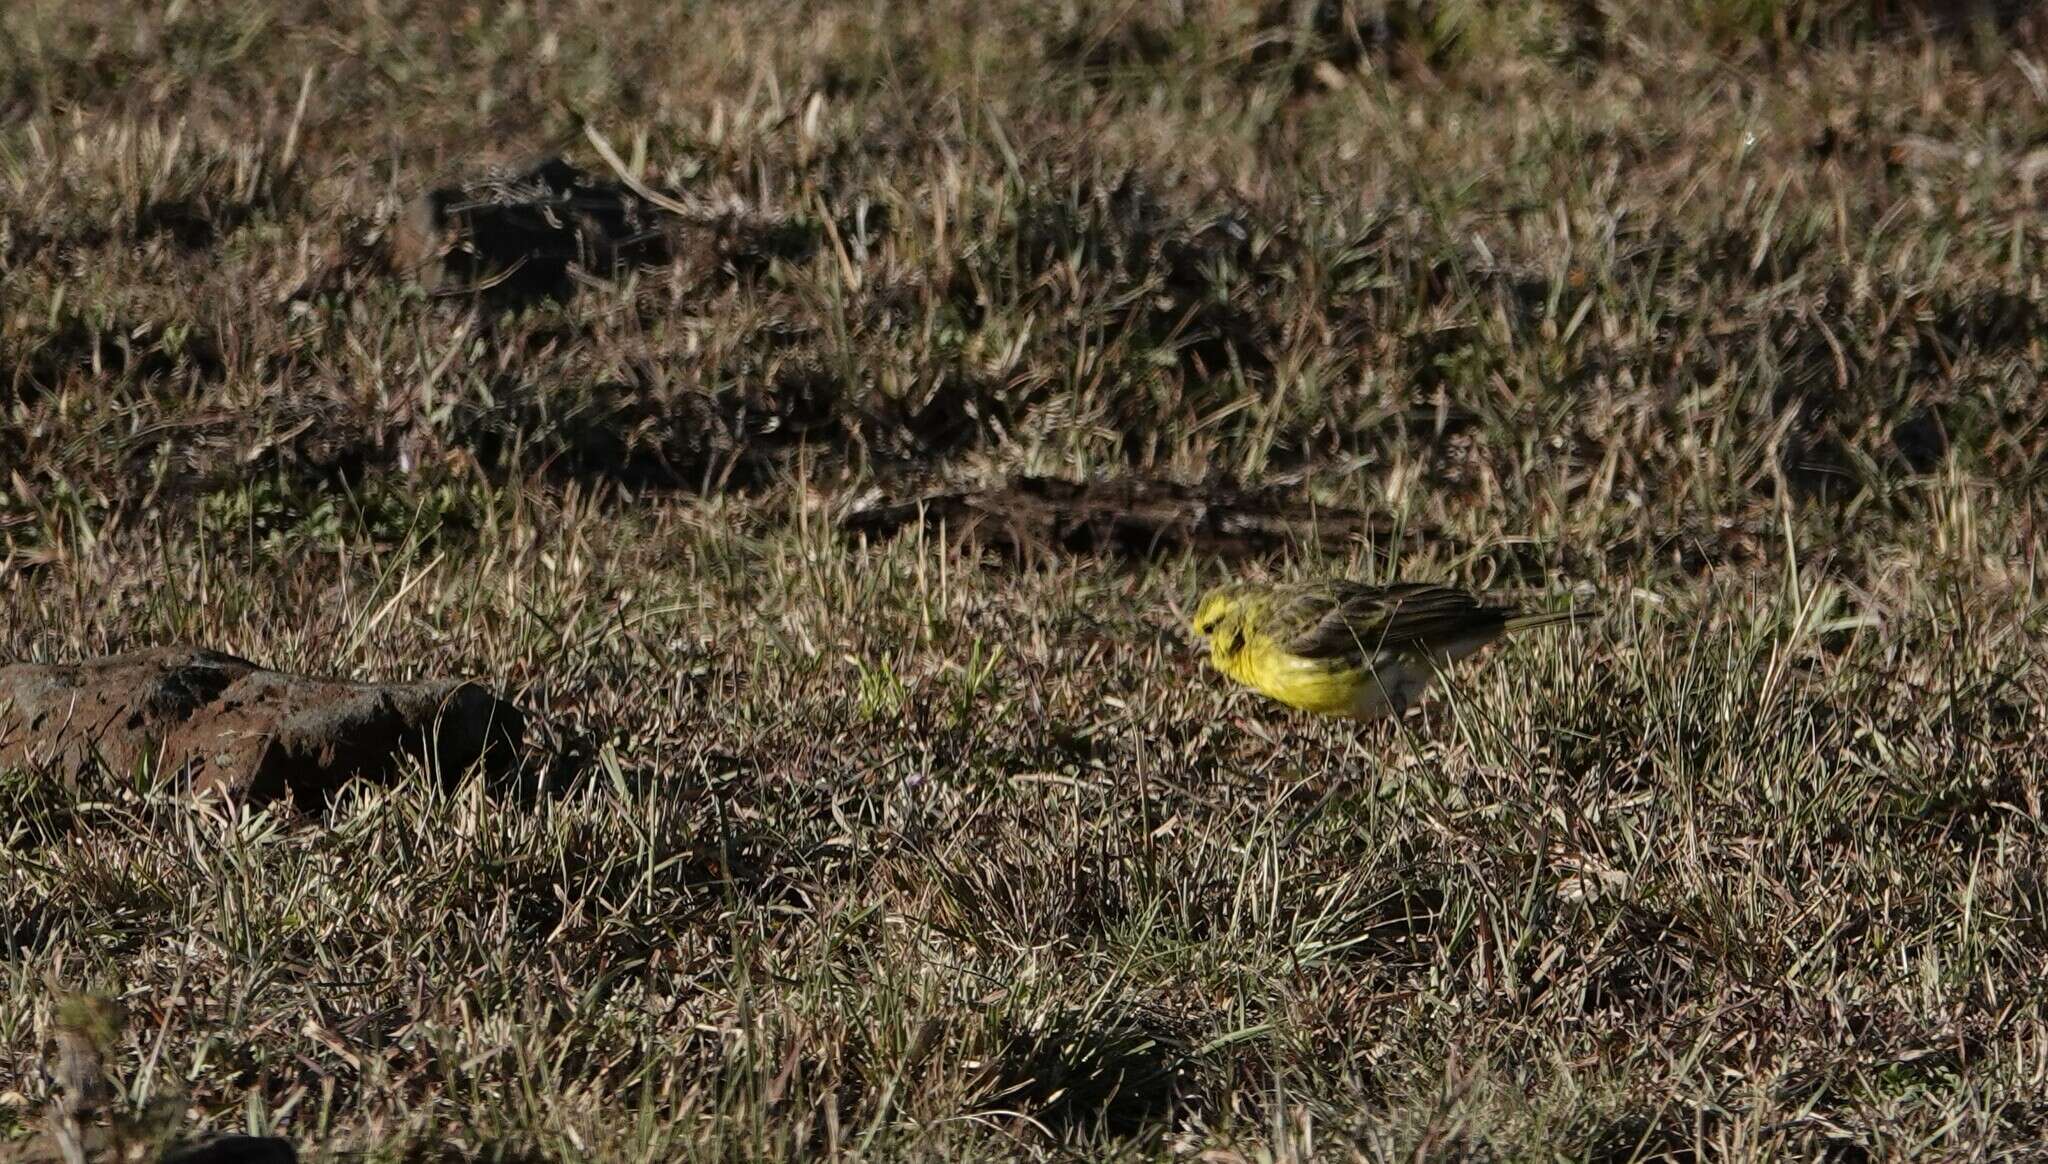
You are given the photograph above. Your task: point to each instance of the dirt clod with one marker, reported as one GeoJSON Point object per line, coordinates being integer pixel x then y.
{"type": "Point", "coordinates": [521, 232]}
{"type": "Point", "coordinates": [521, 235]}
{"type": "Point", "coordinates": [218, 723]}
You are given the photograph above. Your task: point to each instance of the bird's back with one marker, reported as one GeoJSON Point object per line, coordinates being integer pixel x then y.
{"type": "Point", "coordinates": [1352, 621]}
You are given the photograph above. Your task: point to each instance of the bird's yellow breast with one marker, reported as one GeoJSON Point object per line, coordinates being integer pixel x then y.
{"type": "Point", "coordinates": [1309, 684]}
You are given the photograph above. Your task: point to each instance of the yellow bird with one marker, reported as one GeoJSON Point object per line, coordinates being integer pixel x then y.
{"type": "Point", "coordinates": [1345, 648]}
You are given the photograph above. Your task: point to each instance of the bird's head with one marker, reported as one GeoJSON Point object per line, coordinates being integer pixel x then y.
{"type": "Point", "coordinates": [1220, 619]}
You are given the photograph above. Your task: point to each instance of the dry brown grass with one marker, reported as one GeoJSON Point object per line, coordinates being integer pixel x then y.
{"type": "Point", "coordinates": [1729, 314]}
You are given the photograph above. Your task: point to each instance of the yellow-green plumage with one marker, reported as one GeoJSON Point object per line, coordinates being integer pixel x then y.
{"type": "Point", "coordinates": [1345, 648]}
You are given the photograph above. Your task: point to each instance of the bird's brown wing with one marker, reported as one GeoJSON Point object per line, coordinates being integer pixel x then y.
{"type": "Point", "coordinates": [1349, 620]}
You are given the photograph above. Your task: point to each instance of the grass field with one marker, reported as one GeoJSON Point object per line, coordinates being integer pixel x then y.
{"type": "Point", "coordinates": [1725, 314]}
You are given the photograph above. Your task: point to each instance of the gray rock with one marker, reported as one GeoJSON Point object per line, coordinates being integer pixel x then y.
{"type": "Point", "coordinates": [214, 722]}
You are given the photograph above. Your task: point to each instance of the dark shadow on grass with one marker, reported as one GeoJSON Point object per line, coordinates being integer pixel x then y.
{"type": "Point", "coordinates": [1112, 1068]}
{"type": "Point", "coordinates": [1638, 1138]}
{"type": "Point", "coordinates": [501, 1151]}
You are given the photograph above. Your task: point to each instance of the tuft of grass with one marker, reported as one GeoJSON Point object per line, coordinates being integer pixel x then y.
{"type": "Point", "coordinates": [1726, 314]}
